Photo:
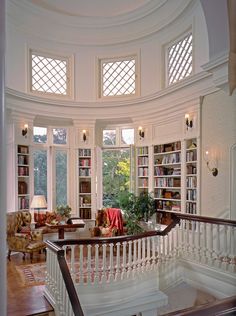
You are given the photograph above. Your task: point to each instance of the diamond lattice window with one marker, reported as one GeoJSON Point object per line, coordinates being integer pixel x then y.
{"type": "Point", "coordinates": [118, 77]}
{"type": "Point", "coordinates": [180, 57]}
{"type": "Point", "coordinates": [49, 75]}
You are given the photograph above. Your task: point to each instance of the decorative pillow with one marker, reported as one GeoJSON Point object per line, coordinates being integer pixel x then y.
{"type": "Point", "coordinates": [50, 216]}
{"type": "Point", "coordinates": [40, 218]}
{"type": "Point", "coordinates": [25, 230]}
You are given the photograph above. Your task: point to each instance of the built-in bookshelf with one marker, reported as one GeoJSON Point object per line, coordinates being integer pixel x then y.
{"type": "Point", "coordinates": [167, 176]}
{"type": "Point", "coordinates": [23, 177]}
{"type": "Point", "coordinates": [191, 176]}
{"type": "Point", "coordinates": [85, 190]}
{"type": "Point", "coordinates": [142, 169]}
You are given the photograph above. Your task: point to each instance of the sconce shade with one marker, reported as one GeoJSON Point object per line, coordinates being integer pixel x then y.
{"type": "Point", "coordinates": [84, 135]}
{"type": "Point", "coordinates": [188, 121]}
{"type": "Point", "coordinates": [141, 132]}
{"type": "Point", "coordinates": [25, 130]}
{"type": "Point", "coordinates": [38, 202]}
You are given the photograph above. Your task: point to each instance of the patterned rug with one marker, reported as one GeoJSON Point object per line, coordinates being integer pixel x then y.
{"type": "Point", "coordinates": [32, 274]}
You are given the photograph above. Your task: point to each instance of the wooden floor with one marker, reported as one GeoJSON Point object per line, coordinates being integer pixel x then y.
{"type": "Point", "coordinates": [24, 300]}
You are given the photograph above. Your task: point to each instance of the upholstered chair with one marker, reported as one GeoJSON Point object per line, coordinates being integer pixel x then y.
{"type": "Point", "coordinates": [20, 236]}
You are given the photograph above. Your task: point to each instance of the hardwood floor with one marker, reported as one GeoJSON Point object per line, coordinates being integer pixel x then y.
{"type": "Point", "coordinates": [24, 300]}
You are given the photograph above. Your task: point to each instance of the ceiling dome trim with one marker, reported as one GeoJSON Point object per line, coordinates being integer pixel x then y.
{"type": "Point", "coordinates": [151, 18]}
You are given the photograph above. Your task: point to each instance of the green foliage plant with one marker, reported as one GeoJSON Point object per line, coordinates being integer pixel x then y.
{"type": "Point", "coordinates": [136, 209]}
{"type": "Point", "coordinates": [63, 210]}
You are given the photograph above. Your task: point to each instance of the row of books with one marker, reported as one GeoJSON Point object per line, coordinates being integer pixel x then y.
{"type": "Point", "coordinates": [167, 182]}
{"type": "Point", "coordinates": [191, 208]}
{"type": "Point", "coordinates": [23, 203]}
{"type": "Point", "coordinates": [142, 160]}
{"type": "Point", "coordinates": [191, 195]}
{"type": "Point", "coordinates": [23, 171]}
{"type": "Point", "coordinates": [143, 183]}
{"type": "Point", "coordinates": [191, 155]}
{"type": "Point", "coordinates": [85, 162]}
{"type": "Point", "coordinates": [84, 152]}
{"type": "Point", "coordinates": [85, 172]}
{"type": "Point", "coordinates": [167, 147]}
{"type": "Point", "coordinates": [143, 151]}
{"type": "Point", "coordinates": [168, 159]}
{"type": "Point", "coordinates": [191, 182]}
{"type": "Point", "coordinates": [143, 171]}
{"type": "Point", "coordinates": [85, 213]}
{"type": "Point", "coordinates": [165, 171]}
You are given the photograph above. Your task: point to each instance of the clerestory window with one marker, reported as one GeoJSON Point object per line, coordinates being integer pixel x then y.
{"type": "Point", "coordinates": [179, 57]}
{"type": "Point", "coordinates": [118, 77]}
{"type": "Point", "coordinates": [50, 74]}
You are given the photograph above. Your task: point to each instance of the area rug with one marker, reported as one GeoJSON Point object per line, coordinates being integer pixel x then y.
{"type": "Point", "coordinates": [32, 274]}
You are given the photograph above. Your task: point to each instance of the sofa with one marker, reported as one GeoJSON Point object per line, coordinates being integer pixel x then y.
{"type": "Point", "coordinates": [20, 235]}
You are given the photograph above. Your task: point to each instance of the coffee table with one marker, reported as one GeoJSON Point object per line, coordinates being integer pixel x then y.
{"type": "Point", "coordinates": [61, 228]}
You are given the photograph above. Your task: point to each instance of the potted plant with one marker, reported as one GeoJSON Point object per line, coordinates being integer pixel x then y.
{"type": "Point", "coordinates": [63, 212]}
{"type": "Point", "coordinates": [136, 209]}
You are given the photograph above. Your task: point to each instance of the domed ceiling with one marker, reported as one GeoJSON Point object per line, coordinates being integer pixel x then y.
{"type": "Point", "coordinates": [95, 22]}
{"type": "Point", "coordinates": [93, 8]}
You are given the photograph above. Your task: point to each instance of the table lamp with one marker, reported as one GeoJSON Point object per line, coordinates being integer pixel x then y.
{"type": "Point", "coordinates": [38, 203]}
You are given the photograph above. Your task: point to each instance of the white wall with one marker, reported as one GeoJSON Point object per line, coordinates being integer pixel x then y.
{"type": "Point", "coordinates": [218, 134]}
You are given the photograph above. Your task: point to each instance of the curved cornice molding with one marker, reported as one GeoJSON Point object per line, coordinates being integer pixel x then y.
{"type": "Point", "coordinates": [167, 103]}
{"type": "Point", "coordinates": [108, 104]}
{"type": "Point", "coordinates": [56, 27]}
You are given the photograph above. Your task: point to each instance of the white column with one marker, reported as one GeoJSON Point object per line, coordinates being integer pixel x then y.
{"type": "Point", "coordinates": [3, 166]}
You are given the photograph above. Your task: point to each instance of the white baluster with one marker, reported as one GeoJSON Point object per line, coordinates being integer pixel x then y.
{"type": "Point", "coordinates": [81, 269]}
{"type": "Point", "coordinates": [225, 259]}
{"type": "Point", "coordinates": [218, 249]}
{"type": "Point", "coordinates": [139, 255]}
{"type": "Point", "coordinates": [129, 264]}
{"type": "Point", "coordinates": [210, 245]}
{"type": "Point", "coordinates": [118, 266]}
{"type": "Point", "coordinates": [123, 273]}
{"type": "Point", "coordinates": [148, 266]}
{"type": "Point", "coordinates": [134, 259]}
{"type": "Point", "coordinates": [153, 257]}
{"type": "Point", "coordinates": [89, 280]}
{"type": "Point", "coordinates": [96, 265]}
{"type": "Point", "coordinates": [199, 241]}
{"type": "Point", "coordinates": [111, 273]}
{"type": "Point", "coordinates": [104, 270]}
{"type": "Point", "coordinates": [72, 263]}
{"type": "Point", "coordinates": [143, 253]}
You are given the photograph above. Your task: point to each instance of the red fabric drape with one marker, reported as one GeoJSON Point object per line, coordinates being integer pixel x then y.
{"type": "Point", "coordinates": [115, 218]}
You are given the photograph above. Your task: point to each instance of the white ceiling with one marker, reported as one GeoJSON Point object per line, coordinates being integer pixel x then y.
{"type": "Point", "coordinates": [92, 8]}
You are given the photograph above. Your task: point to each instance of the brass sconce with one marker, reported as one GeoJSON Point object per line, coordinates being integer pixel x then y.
{"type": "Point", "coordinates": [84, 135]}
{"type": "Point", "coordinates": [141, 132]}
{"type": "Point", "coordinates": [188, 121]}
{"type": "Point", "coordinates": [25, 130]}
{"type": "Point", "coordinates": [214, 170]}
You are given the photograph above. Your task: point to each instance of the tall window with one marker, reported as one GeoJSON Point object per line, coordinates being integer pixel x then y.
{"type": "Point", "coordinates": [51, 150]}
{"type": "Point", "coordinates": [117, 161]}
{"type": "Point", "coordinates": [118, 77]}
{"type": "Point", "coordinates": [180, 59]}
{"type": "Point", "coordinates": [49, 74]}
{"type": "Point", "coordinates": [40, 172]}
{"type": "Point", "coordinates": [116, 174]}
{"type": "Point", "coordinates": [61, 177]}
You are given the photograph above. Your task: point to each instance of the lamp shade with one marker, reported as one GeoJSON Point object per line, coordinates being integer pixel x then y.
{"type": "Point", "coordinates": [38, 202]}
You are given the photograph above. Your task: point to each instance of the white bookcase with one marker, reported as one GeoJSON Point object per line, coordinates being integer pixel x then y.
{"type": "Point", "coordinates": [23, 177]}
{"type": "Point", "coordinates": [142, 169]}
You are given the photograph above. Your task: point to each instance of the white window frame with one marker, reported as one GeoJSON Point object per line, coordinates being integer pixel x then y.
{"type": "Point", "coordinates": [69, 74]}
{"type": "Point", "coordinates": [114, 59]}
{"type": "Point", "coordinates": [118, 130]}
{"type": "Point", "coordinates": [166, 48]}
{"type": "Point", "coordinates": [51, 149]}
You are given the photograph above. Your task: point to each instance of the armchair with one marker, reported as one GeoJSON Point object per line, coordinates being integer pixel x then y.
{"type": "Point", "coordinates": [109, 222]}
{"type": "Point", "coordinates": [20, 236]}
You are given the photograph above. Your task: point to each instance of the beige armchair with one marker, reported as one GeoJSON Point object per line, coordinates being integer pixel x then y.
{"type": "Point", "coordinates": [20, 236]}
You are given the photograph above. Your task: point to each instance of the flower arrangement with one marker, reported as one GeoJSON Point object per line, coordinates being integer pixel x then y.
{"type": "Point", "coordinates": [63, 211]}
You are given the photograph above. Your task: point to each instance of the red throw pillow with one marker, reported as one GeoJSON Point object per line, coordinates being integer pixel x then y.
{"type": "Point", "coordinates": [25, 230]}
{"type": "Point", "coordinates": [40, 219]}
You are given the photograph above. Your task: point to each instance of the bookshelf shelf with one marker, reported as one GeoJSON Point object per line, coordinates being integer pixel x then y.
{"type": "Point", "coordinates": [23, 178]}
{"type": "Point", "coordinates": [142, 169]}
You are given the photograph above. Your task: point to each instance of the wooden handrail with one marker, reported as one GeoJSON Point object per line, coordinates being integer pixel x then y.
{"type": "Point", "coordinates": [74, 299]}
{"type": "Point", "coordinates": [198, 218]}
{"type": "Point", "coordinates": [175, 218]}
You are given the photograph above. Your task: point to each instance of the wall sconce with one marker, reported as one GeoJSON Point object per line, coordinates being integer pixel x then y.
{"type": "Point", "coordinates": [188, 121]}
{"type": "Point", "coordinates": [141, 132]}
{"type": "Point", "coordinates": [25, 130]}
{"type": "Point", "coordinates": [214, 170]}
{"type": "Point", "coordinates": [84, 135]}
